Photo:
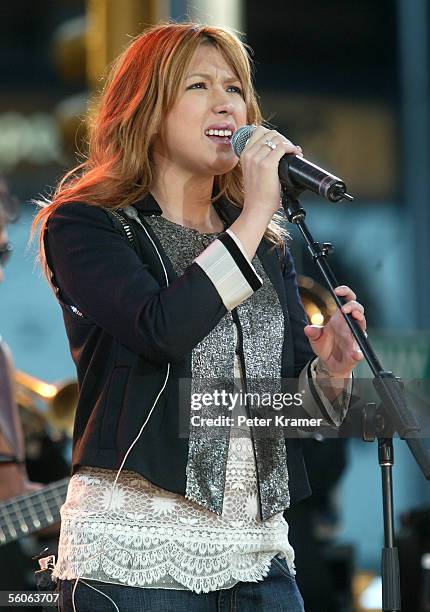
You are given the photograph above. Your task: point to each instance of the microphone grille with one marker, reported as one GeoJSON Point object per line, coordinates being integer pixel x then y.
{"type": "Point", "coordinates": [241, 137]}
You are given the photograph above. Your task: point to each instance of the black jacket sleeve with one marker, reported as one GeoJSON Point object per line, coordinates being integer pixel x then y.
{"type": "Point", "coordinates": [98, 272]}
{"type": "Point", "coordinates": [303, 352]}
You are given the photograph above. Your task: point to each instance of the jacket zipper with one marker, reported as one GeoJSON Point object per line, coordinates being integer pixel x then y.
{"type": "Point", "coordinates": [236, 320]}
{"type": "Point", "coordinates": [125, 225]}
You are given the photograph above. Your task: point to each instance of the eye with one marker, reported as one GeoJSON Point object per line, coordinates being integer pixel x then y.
{"type": "Point", "coordinates": [236, 89]}
{"type": "Point", "coordinates": [197, 86]}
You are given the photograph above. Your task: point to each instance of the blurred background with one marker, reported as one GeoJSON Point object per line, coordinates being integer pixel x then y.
{"type": "Point", "coordinates": [349, 82]}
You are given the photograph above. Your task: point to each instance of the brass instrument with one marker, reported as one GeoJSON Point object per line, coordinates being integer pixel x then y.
{"type": "Point", "coordinates": [47, 403]}
{"type": "Point", "coordinates": [318, 302]}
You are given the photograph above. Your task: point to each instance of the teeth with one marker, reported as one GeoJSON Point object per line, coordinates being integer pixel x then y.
{"type": "Point", "coordinates": [221, 133]}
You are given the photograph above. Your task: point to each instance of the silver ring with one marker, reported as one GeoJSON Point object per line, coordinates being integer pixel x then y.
{"type": "Point", "coordinates": [270, 144]}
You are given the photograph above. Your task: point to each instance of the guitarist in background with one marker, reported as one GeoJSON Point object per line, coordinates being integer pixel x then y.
{"type": "Point", "coordinates": [48, 463]}
{"type": "Point", "coordinates": [13, 478]}
{"type": "Point", "coordinates": [13, 475]}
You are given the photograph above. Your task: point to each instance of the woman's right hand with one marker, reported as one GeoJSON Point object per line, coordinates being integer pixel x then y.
{"type": "Point", "coordinates": [260, 164]}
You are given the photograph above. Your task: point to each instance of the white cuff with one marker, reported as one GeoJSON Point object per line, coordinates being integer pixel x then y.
{"type": "Point", "coordinates": [239, 244]}
{"type": "Point", "coordinates": [229, 269]}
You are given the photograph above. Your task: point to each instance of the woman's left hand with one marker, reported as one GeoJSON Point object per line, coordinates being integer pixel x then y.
{"type": "Point", "coordinates": [334, 343]}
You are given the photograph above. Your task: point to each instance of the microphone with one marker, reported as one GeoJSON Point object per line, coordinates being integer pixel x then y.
{"type": "Point", "coordinates": [298, 172]}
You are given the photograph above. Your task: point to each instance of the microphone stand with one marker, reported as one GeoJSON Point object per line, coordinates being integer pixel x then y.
{"type": "Point", "coordinates": [383, 421]}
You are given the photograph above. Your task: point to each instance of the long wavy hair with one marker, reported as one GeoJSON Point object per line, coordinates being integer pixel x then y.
{"type": "Point", "coordinates": [141, 88]}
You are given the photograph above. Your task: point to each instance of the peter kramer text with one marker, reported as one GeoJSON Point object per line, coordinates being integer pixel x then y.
{"type": "Point", "coordinates": [277, 421]}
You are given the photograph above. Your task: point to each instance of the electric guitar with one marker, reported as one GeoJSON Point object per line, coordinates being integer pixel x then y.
{"type": "Point", "coordinates": [25, 514]}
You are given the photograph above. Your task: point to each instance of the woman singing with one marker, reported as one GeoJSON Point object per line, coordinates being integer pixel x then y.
{"type": "Point", "coordinates": [169, 263]}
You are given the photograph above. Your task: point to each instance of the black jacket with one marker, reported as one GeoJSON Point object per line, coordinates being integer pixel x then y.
{"type": "Point", "coordinates": [124, 326]}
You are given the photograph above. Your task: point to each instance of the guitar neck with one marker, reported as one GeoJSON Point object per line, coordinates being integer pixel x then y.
{"type": "Point", "coordinates": [25, 514]}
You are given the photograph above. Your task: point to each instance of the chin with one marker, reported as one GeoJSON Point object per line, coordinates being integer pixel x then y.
{"type": "Point", "coordinates": [222, 167]}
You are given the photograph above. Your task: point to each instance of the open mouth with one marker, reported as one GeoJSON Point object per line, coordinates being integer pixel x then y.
{"type": "Point", "coordinates": [219, 136]}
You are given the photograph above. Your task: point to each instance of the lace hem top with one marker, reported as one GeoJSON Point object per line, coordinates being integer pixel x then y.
{"type": "Point", "coordinates": [140, 535]}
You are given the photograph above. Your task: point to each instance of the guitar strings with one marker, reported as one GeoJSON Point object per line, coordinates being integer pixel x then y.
{"type": "Point", "coordinates": [18, 511]}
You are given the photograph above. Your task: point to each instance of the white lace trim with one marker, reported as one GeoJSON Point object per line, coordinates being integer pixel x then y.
{"type": "Point", "coordinates": [153, 538]}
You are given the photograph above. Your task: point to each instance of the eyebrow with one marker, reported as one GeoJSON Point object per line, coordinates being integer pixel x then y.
{"type": "Point", "coordinates": [208, 77]}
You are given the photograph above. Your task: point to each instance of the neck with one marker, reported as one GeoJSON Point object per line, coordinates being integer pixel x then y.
{"type": "Point", "coordinates": [186, 199]}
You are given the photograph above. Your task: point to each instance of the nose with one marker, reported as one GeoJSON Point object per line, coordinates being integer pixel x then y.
{"type": "Point", "coordinates": [224, 109]}
{"type": "Point", "coordinates": [222, 104]}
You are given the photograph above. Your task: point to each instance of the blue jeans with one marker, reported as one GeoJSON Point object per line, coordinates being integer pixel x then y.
{"type": "Point", "coordinates": [278, 592]}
